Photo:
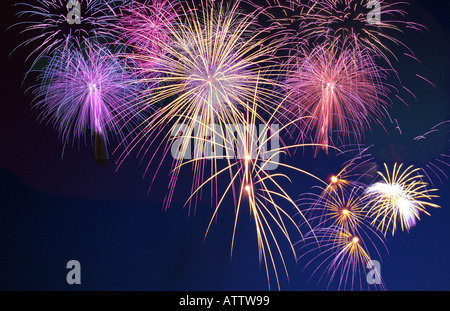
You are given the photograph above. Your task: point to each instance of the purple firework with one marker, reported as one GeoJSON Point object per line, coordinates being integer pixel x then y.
{"type": "Point", "coordinates": [88, 90]}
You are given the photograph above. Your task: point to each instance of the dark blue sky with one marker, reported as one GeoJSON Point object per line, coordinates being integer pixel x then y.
{"type": "Point", "coordinates": [53, 210]}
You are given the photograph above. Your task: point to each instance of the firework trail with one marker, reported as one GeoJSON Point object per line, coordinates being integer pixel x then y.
{"type": "Point", "coordinates": [53, 24]}
{"type": "Point", "coordinates": [399, 198]}
{"type": "Point", "coordinates": [216, 58]}
{"type": "Point", "coordinates": [344, 211]}
{"type": "Point", "coordinates": [341, 89]}
{"type": "Point", "coordinates": [86, 90]}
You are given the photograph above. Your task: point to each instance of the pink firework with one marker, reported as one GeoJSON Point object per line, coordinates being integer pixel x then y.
{"type": "Point", "coordinates": [145, 28]}
{"type": "Point", "coordinates": [339, 90]}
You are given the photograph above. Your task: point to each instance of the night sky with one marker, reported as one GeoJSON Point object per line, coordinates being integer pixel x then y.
{"type": "Point", "coordinates": [54, 209]}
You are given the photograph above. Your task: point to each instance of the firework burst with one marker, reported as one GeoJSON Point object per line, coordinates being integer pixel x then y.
{"type": "Point", "coordinates": [207, 75]}
{"type": "Point", "coordinates": [341, 90]}
{"type": "Point", "coordinates": [344, 212]}
{"type": "Point", "coordinates": [85, 90]}
{"type": "Point", "coordinates": [399, 198]}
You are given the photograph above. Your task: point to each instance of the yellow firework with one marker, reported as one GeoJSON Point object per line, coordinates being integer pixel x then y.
{"type": "Point", "coordinates": [352, 174]}
{"type": "Point", "coordinates": [342, 188]}
{"type": "Point", "coordinates": [342, 231]}
{"type": "Point", "coordinates": [215, 60]}
{"type": "Point", "coordinates": [343, 256]}
{"type": "Point", "coordinates": [212, 66]}
{"type": "Point", "coordinates": [338, 209]}
{"type": "Point", "coordinates": [345, 211]}
{"type": "Point", "coordinates": [256, 188]}
{"type": "Point", "coordinates": [399, 198]}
